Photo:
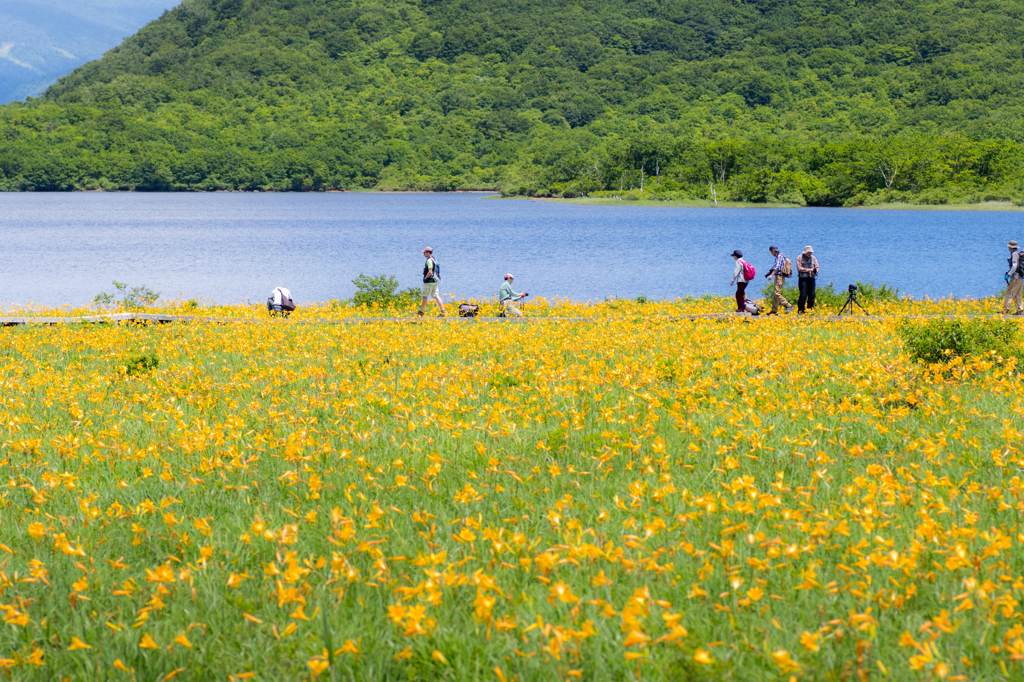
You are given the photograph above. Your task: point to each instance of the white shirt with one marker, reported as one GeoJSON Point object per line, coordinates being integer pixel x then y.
{"type": "Point", "coordinates": [738, 274]}
{"type": "Point", "coordinates": [277, 293]}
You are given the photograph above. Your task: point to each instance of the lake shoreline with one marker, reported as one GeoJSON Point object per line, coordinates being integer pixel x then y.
{"type": "Point", "coordinates": [999, 206]}
{"type": "Point", "coordinates": [702, 203]}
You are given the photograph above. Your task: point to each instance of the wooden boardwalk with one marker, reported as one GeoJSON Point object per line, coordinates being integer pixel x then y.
{"type": "Point", "coordinates": [150, 318]}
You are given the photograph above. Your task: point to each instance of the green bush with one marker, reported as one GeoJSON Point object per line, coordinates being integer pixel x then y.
{"type": "Point", "coordinates": [140, 364]}
{"type": "Point", "coordinates": [131, 297]}
{"type": "Point", "coordinates": [826, 296]}
{"type": "Point", "coordinates": [940, 339]}
{"type": "Point", "coordinates": [382, 291]}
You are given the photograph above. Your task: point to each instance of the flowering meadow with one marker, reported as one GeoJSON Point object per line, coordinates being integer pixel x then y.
{"type": "Point", "coordinates": [636, 497]}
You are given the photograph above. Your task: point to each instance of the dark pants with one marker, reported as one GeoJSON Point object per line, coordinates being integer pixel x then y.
{"type": "Point", "coordinates": [806, 294]}
{"type": "Point", "coordinates": [741, 296]}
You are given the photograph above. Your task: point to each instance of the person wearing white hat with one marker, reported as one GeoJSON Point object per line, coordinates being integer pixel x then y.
{"type": "Point", "coordinates": [507, 298]}
{"type": "Point", "coordinates": [431, 276]}
{"type": "Point", "coordinates": [1014, 282]}
{"type": "Point", "coordinates": [807, 275]}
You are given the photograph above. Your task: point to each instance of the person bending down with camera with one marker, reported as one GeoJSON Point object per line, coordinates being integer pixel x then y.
{"type": "Point", "coordinates": [507, 298]}
{"type": "Point", "coordinates": [280, 302]}
{"type": "Point", "coordinates": [807, 275]}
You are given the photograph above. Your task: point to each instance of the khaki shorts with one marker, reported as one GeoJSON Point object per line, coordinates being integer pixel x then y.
{"type": "Point", "coordinates": [430, 290]}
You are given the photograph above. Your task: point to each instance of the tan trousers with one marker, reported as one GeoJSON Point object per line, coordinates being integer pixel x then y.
{"type": "Point", "coordinates": [777, 297]}
{"type": "Point", "coordinates": [511, 310]}
{"type": "Point", "coordinates": [1013, 293]}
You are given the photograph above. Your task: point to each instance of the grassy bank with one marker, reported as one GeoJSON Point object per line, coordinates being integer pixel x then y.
{"type": "Point", "coordinates": [624, 500]}
{"type": "Point", "coordinates": [988, 206]}
{"type": "Point", "coordinates": [892, 305]}
{"type": "Point", "coordinates": [699, 203]}
{"type": "Point", "coordinates": [688, 203]}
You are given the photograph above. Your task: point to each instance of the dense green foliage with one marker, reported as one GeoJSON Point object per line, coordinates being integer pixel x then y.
{"type": "Point", "coordinates": [812, 101]}
{"type": "Point", "coordinates": [131, 298]}
{"type": "Point", "coordinates": [940, 339]}
{"type": "Point", "coordinates": [382, 291]}
{"type": "Point", "coordinates": [826, 296]}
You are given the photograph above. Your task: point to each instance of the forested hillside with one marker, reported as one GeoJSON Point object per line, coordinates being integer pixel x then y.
{"type": "Point", "coordinates": [821, 101]}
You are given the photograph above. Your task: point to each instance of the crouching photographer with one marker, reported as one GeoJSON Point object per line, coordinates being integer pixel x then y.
{"type": "Point", "coordinates": [507, 298]}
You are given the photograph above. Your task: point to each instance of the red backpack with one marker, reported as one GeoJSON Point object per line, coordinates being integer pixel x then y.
{"type": "Point", "coordinates": [748, 271]}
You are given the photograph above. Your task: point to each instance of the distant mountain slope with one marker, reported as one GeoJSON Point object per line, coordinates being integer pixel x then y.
{"type": "Point", "coordinates": [41, 40]}
{"type": "Point", "coordinates": [821, 101]}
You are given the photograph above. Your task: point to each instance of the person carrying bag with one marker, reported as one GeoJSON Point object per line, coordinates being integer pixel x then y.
{"type": "Point", "coordinates": [807, 277]}
{"type": "Point", "coordinates": [280, 302]}
{"type": "Point", "coordinates": [743, 273]}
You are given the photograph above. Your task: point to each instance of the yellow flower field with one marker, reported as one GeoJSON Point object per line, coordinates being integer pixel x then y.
{"type": "Point", "coordinates": [630, 498]}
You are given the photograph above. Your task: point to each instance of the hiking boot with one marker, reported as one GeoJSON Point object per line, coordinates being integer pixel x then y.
{"type": "Point", "coordinates": [419, 314]}
{"type": "Point", "coordinates": [771, 312]}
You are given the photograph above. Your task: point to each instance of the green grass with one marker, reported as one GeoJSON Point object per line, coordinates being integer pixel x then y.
{"type": "Point", "coordinates": [900, 206]}
{"type": "Point", "coordinates": [694, 203]}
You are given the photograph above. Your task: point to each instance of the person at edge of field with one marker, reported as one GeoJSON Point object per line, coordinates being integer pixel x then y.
{"type": "Point", "coordinates": [280, 302]}
{"type": "Point", "coordinates": [740, 279]}
{"type": "Point", "coordinates": [507, 298]}
{"type": "Point", "coordinates": [430, 280]}
{"type": "Point", "coordinates": [1014, 282]}
{"type": "Point", "coordinates": [807, 274]}
{"type": "Point", "coordinates": [780, 281]}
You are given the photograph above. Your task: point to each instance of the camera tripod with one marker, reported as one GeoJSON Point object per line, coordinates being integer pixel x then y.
{"type": "Point", "coordinates": [852, 298]}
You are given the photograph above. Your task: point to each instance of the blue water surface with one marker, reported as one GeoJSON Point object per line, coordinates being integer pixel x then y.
{"type": "Point", "coordinates": [230, 247]}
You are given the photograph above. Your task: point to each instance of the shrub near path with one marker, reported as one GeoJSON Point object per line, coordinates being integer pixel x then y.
{"type": "Point", "coordinates": [623, 500]}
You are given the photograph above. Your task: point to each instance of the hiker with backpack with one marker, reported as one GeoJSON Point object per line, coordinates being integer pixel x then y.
{"type": "Point", "coordinates": [280, 302]}
{"type": "Point", "coordinates": [743, 273]}
{"type": "Point", "coordinates": [507, 298]}
{"type": "Point", "coordinates": [431, 277]}
{"type": "Point", "coordinates": [807, 277]}
{"type": "Point", "coordinates": [781, 269]}
{"type": "Point", "coordinates": [1014, 281]}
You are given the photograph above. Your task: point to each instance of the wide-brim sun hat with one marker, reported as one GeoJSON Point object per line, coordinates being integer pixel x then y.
{"type": "Point", "coordinates": [737, 254]}
{"type": "Point", "coordinates": [1013, 244]}
{"type": "Point", "coordinates": [808, 249]}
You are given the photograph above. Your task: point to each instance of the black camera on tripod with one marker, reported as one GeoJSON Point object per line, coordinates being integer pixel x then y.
{"type": "Point", "coordinates": [851, 300]}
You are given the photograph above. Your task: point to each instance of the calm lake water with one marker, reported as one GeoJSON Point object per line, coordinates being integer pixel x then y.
{"type": "Point", "coordinates": [66, 248]}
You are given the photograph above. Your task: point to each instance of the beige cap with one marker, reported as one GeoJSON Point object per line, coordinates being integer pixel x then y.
{"type": "Point", "coordinates": [808, 249]}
